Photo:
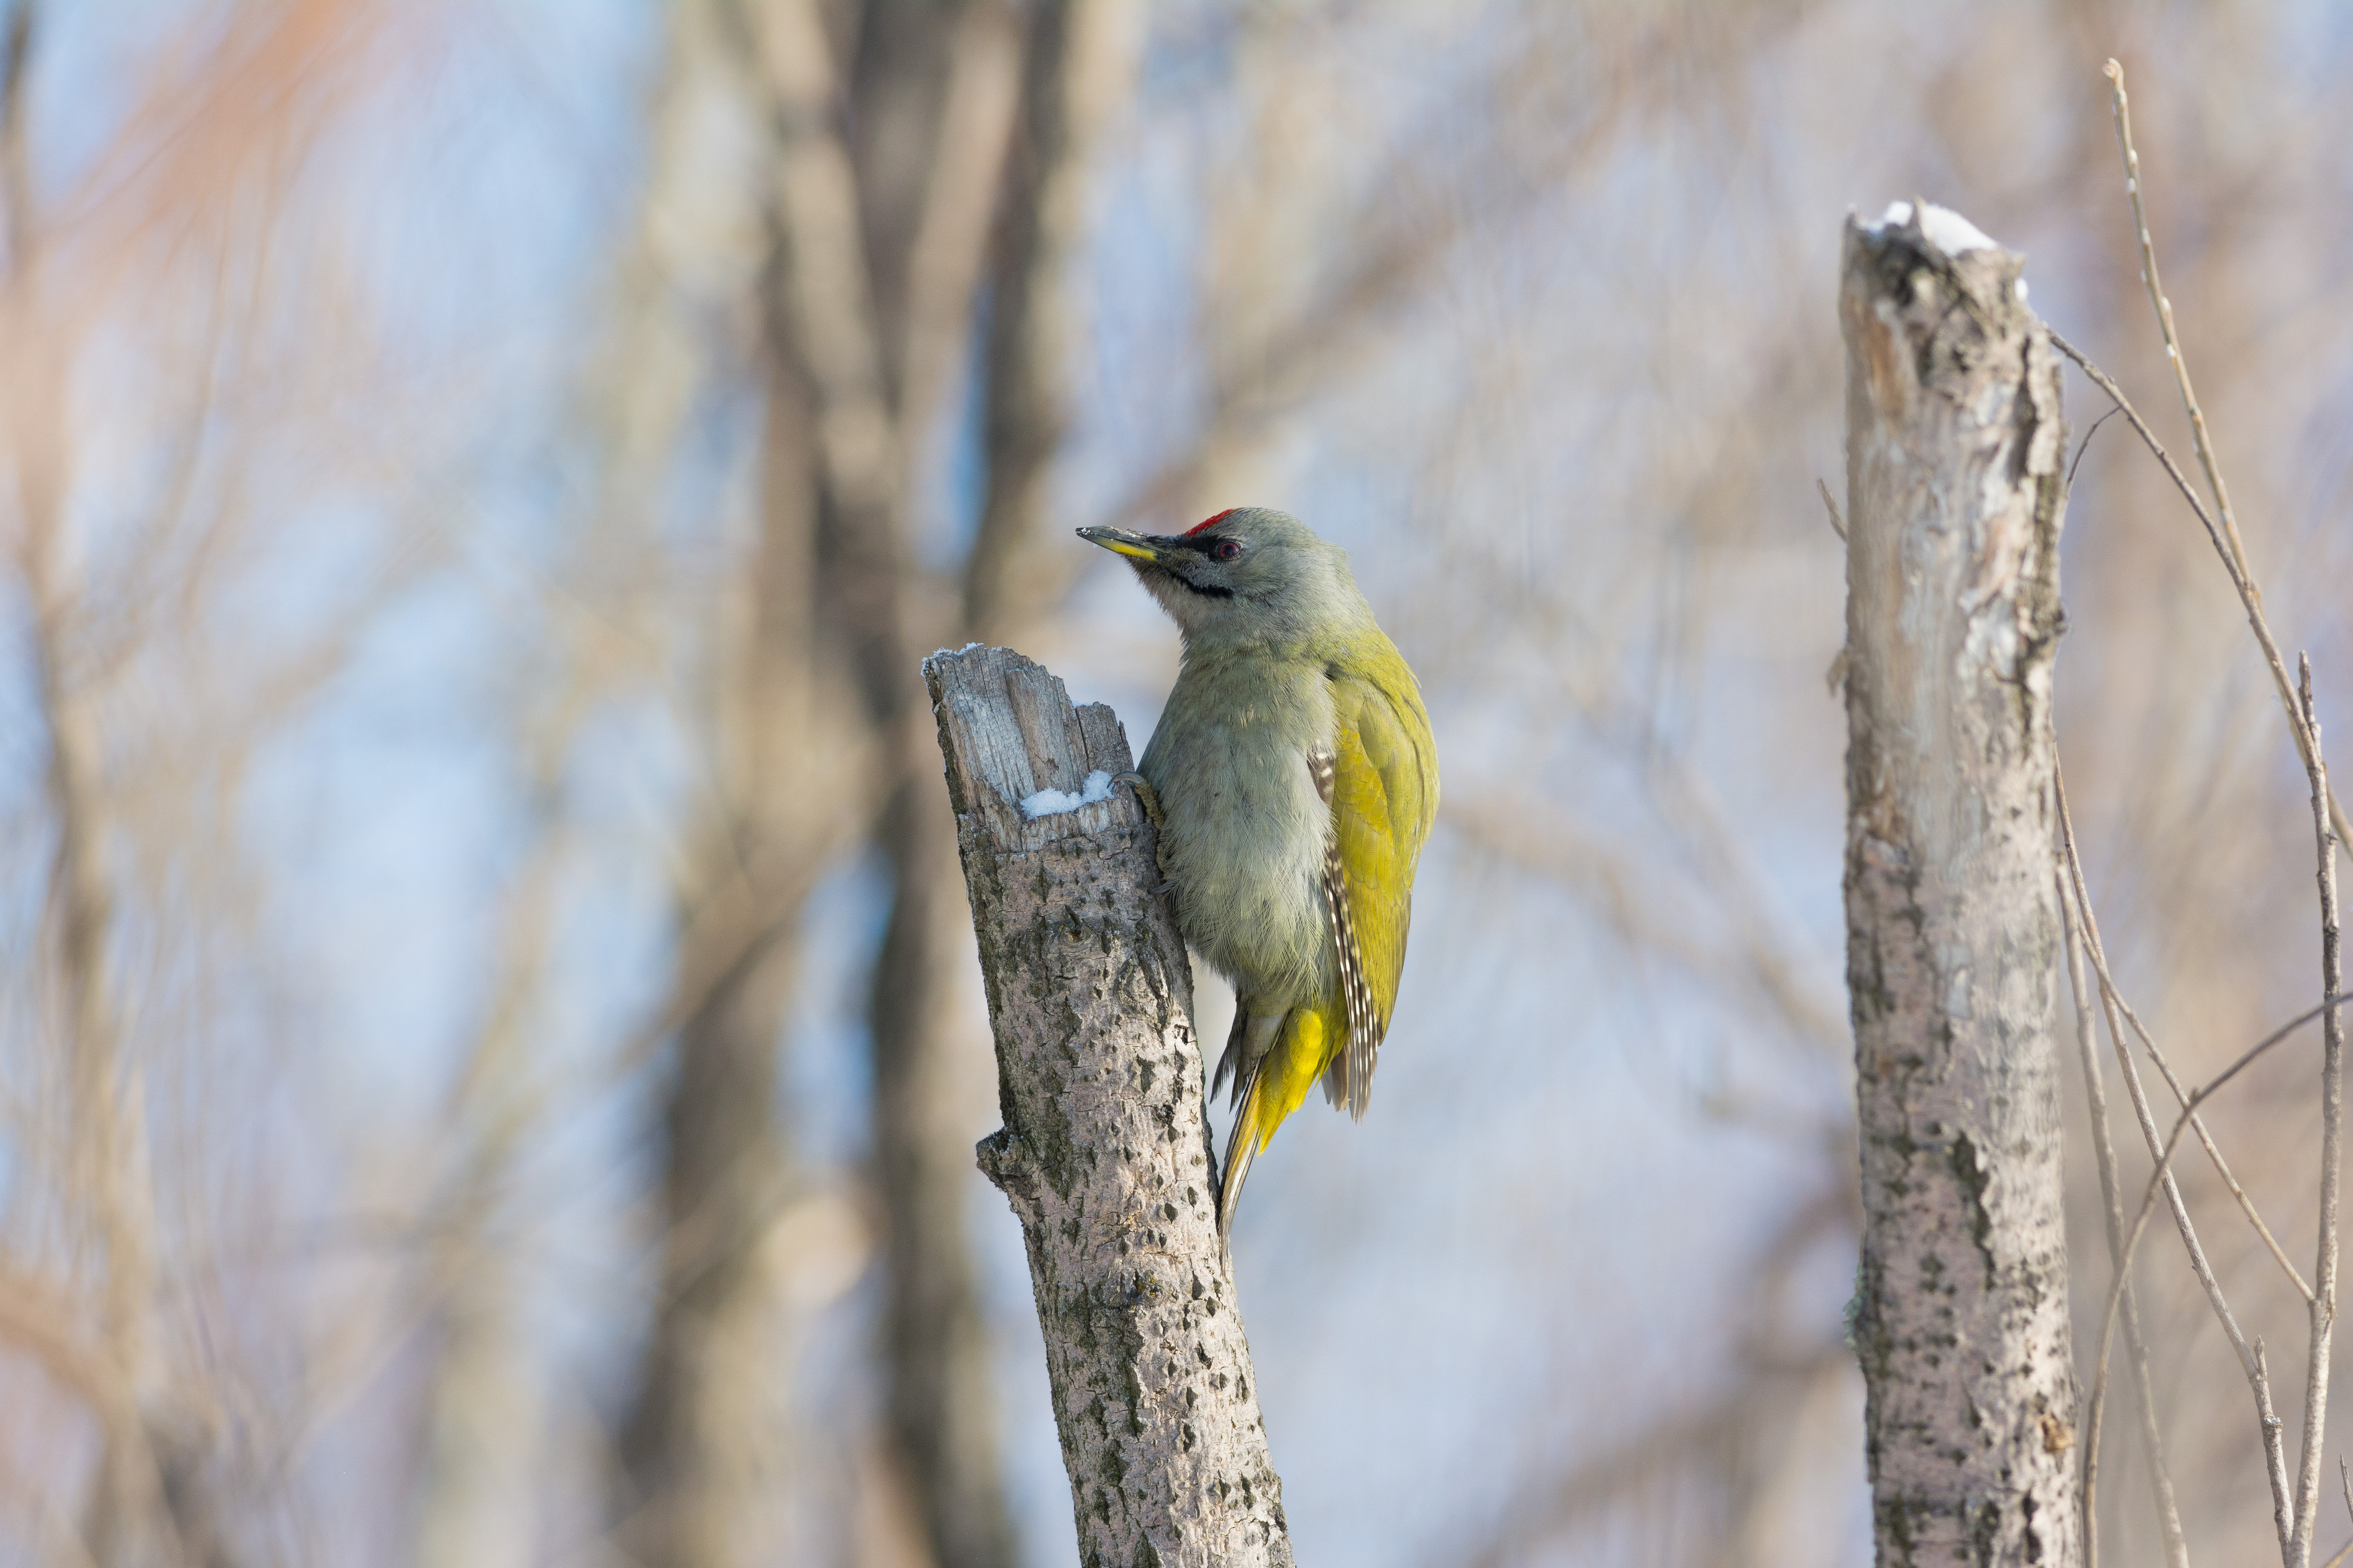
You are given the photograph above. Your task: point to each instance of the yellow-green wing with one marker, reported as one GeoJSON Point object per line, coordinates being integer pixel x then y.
{"type": "Point", "coordinates": [1383, 795]}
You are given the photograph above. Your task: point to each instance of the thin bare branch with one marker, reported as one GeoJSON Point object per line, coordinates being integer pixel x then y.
{"type": "Point", "coordinates": [2332, 1119]}
{"type": "Point", "coordinates": [2168, 1513]}
{"type": "Point", "coordinates": [1837, 523]}
{"type": "Point", "coordinates": [2222, 529]}
{"type": "Point", "coordinates": [2198, 1263]}
{"type": "Point", "coordinates": [2113, 998]}
{"type": "Point", "coordinates": [2085, 444]}
{"type": "Point", "coordinates": [2199, 440]}
{"type": "Point", "coordinates": [2257, 1373]}
{"type": "Point", "coordinates": [2251, 1355]}
{"type": "Point", "coordinates": [2249, 596]}
{"type": "Point", "coordinates": [2345, 1477]}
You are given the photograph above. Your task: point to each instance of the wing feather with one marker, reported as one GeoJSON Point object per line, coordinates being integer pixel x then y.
{"type": "Point", "coordinates": [1372, 780]}
{"type": "Point", "coordinates": [1354, 1062]}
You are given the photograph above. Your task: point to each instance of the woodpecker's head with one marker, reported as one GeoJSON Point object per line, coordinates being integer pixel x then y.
{"type": "Point", "coordinates": [1248, 573]}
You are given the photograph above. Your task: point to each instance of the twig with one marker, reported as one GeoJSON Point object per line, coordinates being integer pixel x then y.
{"type": "Point", "coordinates": [2346, 1478]}
{"type": "Point", "coordinates": [2177, 1549]}
{"type": "Point", "coordinates": [1837, 523]}
{"type": "Point", "coordinates": [2249, 596]}
{"type": "Point", "coordinates": [2250, 1356]}
{"type": "Point", "coordinates": [2106, 384]}
{"type": "Point", "coordinates": [2224, 531]}
{"type": "Point", "coordinates": [2274, 1453]}
{"type": "Point", "coordinates": [2085, 445]}
{"type": "Point", "coordinates": [2164, 307]}
{"type": "Point", "coordinates": [2332, 1116]}
{"type": "Point", "coordinates": [2198, 1260]}
{"type": "Point", "coordinates": [2113, 998]}
{"type": "Point", "coordinates": [2257, 1372]}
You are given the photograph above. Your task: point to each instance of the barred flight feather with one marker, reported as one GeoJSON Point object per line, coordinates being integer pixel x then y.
{"type": "Point", "coordinates": [1363, 1049]}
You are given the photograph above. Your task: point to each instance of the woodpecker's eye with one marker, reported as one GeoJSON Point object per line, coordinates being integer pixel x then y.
{"type": "Point", "coordinates": [1228, 550]}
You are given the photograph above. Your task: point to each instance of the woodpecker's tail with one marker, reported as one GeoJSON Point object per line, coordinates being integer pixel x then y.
{"type": "Point", "coordinates": [1241, 1148]}
{"type": "Point", "coordinates": [1270, 1090]}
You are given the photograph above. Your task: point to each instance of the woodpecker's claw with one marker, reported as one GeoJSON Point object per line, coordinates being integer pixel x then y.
{"type": "Point", "coordinates": [1149, 798]}
{"type": "Point", "coordinates": [1146, 796]}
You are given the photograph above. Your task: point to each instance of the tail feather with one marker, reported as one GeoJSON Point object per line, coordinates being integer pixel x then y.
{"type": "Point", "coordinates": [1230, 1061]}
{"type": "Point", "coordinates": [1283, 1056]}
{"type": "Point", "coordinates": [1240, 1149]}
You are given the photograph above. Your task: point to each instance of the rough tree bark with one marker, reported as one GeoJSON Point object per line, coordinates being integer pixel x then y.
{"type": "Point", "coordinates": [1954, 495]}
{"type": "Point", "coordinates": [1104, 1153]}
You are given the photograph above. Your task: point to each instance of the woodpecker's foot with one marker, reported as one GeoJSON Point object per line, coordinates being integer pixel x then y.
{"type": "Point", "coordinates": [1149, 798]}
{"type": "Point", "coordinates": [1146, 796]}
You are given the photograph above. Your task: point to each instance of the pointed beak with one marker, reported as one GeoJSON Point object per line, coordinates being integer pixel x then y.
{"type": "Point", "coordinates": [1118, 539]}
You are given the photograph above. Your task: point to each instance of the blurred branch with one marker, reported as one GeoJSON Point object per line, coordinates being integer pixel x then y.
{"type": "Point", "coordinates": [51, 1328]}
{"type": "Point", "coordinates": [106, 1169]}
{"type": "Point", "coordinates": [1411, 216]}
{"type": "Point", "coordinates": [965, 184]}
{"type": "Point", "coordinates": [827, 309]}
{"type": "Point", "coordinates": [484, 1408]}
{"type": "Point", "coordinates": [16, 178]}
{"type": "Point", "coordinates": [940, 1413]}
{"type": "Point", "coordinates": [1389, 246]}
{"type": "Point", "coordinates": [1078, 75]}
{"type": "Point", "coordinates": [836, 330]}
{"type": "Point", "coordinates": [1538, 839]}
{"type": "Point", "coordinates": [1737, 1437]}
{"type": "Point", "coordinates": [1717, 1434]}
{"type": "Point", "coordinates": [698, 1447]}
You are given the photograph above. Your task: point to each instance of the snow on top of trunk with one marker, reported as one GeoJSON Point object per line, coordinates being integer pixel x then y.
{"type": "Point", "coordinates": [1056, 802]}
{"type": "Point", "coordinates": [1946, 229]}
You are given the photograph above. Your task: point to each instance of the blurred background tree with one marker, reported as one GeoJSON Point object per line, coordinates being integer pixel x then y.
{"type": "Point", "coordinates": [489, 1047]}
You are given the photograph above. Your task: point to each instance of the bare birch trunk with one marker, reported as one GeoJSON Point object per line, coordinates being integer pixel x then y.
{"type": "Point", "coordinates": [1105, 1149]}
{"type": "Point", "coordinates": [1954, 487]}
